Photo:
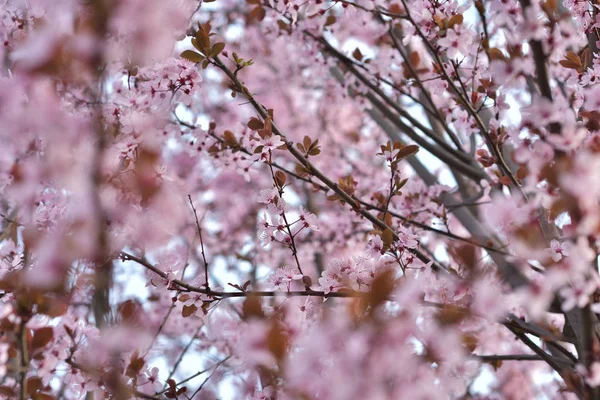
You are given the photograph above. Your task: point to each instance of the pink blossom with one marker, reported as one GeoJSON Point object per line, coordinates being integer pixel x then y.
{"type": "Point", "coordinates": [309, 220]}
{"type": "Point", "coordinates": [375, 247]}
{"type": "Point", "coordinates": [283, 277]}
{"type": "Point", "coordinates": [270, 143]}
{"type": "Point", "coordinates": [556, 250]}
{"type": "Point", "coordinates": [455, 42]}
{"type": "Point", "coordinates": [268, 196]}
{"type": "Point", "coordinates": [577, 294]}
{"type": "Point", "coordinates": [150, 380]}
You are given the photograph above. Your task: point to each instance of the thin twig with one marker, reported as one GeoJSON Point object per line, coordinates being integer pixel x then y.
{"type": "Point", "coordinates": [201, 243]}
{"type": "Point", "coordinates": [177, 284]}
{"type": "Point", "coordinates": [507, 357]}
{"type": "Point", "coordinates": [183, 353]}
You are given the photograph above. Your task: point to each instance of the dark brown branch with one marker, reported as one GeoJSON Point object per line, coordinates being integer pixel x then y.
{"type": "Point", "coordinates": [350, 66]}
{"type": "Point", "coordinates": [539, 59]}
{"type": "Point", "coordinates": [23, 360]}
{"type": "Point", "coordinates": [509, 357]}
{"type": "Point", "coordinates": [441, 154]}
{"type": "Point", "coordinates": [424, 91]}
{"type": "Point", "coordinates": [549, 359]}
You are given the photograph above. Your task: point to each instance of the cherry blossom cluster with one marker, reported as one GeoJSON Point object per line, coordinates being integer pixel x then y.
{"type": "Point", "coordinates": [299, 199]}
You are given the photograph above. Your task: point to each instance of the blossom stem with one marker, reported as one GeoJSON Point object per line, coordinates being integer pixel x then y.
{"type": "Point", "coordinates": [292, 243]}
{"type": "Point", "coordinates": [201, 243]}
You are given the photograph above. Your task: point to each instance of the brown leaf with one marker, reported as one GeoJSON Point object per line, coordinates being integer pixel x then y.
{"type": "Point", "coordinates": [255, 124]}
{"type": "Point", "coordinates": [551, 5]}
{"type": "Point", "coordinates": [129, 309]}
{"type": "Point", "coordinates": [192, 56]}
{"type": "Point", "coordinates": [495, 364]}
{"type": "Point", "coordinates": [10, 232]}
{"type": "Point", "coordinates": [41, 337]}
{"type": "Point", "coordinates": [257, 14]}
{"type": "Point", "coordinates": [470, 341]}
{"type": "Point", "coordinates": [505, 180]}
{"type": "Point", "coordinates": [415, 59]}
{"type": "Point", "coordinates": [188, 311]}
{"type": "Point", "coordinates": [42, 396]}
{"type": "Point", "coordinates": [572, 61]}
{"type": "Point", "coordinates": [34, 384]}
{"type": "Point", "coordinates": [467, 256]}
{"type": "Point", "coordinates": [407, 151]}
{"type": "Point", "coordinates": [381, 288]}
{"type": "Point", "coordinates": [307, 142]}
{"type": "Point", "coordinates": [280, 178]}
{"type": "Point", "coordinates": [277, 341]}
{"type": "Point", "coordinates": [53, 307]}
{"type": "Point", "coordinates": [387, 236]}
{"type": "Point", "coordinates": [333, 197]}
{"type": "Point", "coordinates": [455, 20]}
{"type": "Point", "coordinates": [135, 365]}
{"type": "Point", "coordinates": [357, 54]}
{"type": "Point", "coordinates": [252, 308]}
{"type": "Point", "coordinates": [203, 40]}
{"type": "Point", "coordinates": [284, 27]}
{"type": "Point", "coordinates": [496, 54]}
{"type": "Point", "coordinates": [396, 8]}
{"type": "Point", "coordinates": [301, 170]}
{"type": "Point", "coordinates": [229, 138]}
{"type": "Point", "coordinates": [450, 314]}
{"type": "Point", "coordinates": [522, 172]}
{"type": "Point", "coordinates": [217, 49]}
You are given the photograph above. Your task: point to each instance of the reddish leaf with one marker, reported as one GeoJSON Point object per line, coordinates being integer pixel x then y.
{"type": "Point", "coordinates": [255, 124]}
{"type": "Point", "coordinates": [41, 337]}
{"type": "Point", "coordinates": [34, 384]}
{"type": "Point", "coordinates": [135, 366]}
{"type": "Point", "coordinates": [257, 14]}
{"type": "Point", "coordinates": [188, 311]}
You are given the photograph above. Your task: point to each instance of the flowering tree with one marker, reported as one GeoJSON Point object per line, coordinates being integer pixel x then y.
{"type": "Point", "coordinates": [299, 199]}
